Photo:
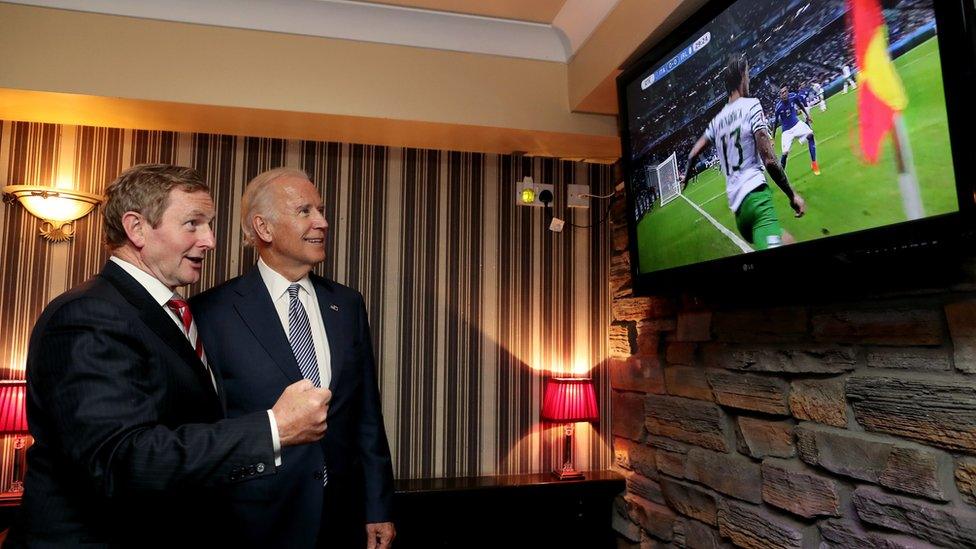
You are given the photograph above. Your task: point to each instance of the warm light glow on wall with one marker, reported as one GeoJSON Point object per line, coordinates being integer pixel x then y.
{"type": "Point", "coordinates": [581, 366]}
{"type": "Point", "coordinates": [64, 181]}
{"type": "Point", "coordinates": [17, 365]}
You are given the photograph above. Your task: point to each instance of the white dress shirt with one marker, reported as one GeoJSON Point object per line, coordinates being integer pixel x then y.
{"type": "Point", "coordinates": [278, 290]}
{"type": "Point", "coordinates": [161, 294]}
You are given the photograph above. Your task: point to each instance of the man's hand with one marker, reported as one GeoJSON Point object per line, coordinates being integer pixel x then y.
{"type": "Point", "coordinates": [300, 413]}
{"type": "Point", "coordinates": [379, 535]}
{"type": "Point", "coordinates": [809, 121]}
{"type": "Point", "coordinates": [798, 204]}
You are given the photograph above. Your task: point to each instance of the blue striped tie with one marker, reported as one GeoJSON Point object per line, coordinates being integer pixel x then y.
{"type": "Point", "coordinates": [300, 337]}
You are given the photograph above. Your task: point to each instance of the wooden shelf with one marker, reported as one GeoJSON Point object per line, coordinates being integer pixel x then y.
{"type": "Point", "coordinates": [10, 499]}
{"type": "Point", "coordinates": [534, 510]}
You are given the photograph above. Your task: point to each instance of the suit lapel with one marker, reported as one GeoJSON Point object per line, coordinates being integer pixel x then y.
{"type": "Point", "coordinates": [219, 382]}
{"type": "Point", "coordinates": [256, 309]}
{"type": "Point", "coordinates": [153, 316]}
{"type": "Point", "coordinates": [335, 327]}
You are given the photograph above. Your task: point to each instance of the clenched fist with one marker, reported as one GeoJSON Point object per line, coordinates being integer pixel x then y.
{"type": "Point", "coordinates": [300, 413]}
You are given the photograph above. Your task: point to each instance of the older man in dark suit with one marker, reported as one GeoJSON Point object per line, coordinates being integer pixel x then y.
{"type": "Point", "coordinates": [131, 440]}
{"type": "Point", "coordinates": [278, 324]}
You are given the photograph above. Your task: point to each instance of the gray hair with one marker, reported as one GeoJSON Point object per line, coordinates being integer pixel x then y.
{"type": "Point", "coordinates": [257, 198]}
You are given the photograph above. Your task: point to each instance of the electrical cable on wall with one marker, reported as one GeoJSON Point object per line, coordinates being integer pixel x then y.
{"type": "Point", "coordinates": [546, 198]}
{"type": "Point", "coordinates": [606, 215]}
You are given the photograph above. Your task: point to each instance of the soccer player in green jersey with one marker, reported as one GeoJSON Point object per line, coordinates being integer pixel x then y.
{"type": "Point", "coordinates": [741, 135]}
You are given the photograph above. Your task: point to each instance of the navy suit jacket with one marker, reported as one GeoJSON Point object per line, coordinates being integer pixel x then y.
{"type": "Point", "coordinates": [131, 445]}
{"type": "Point", "coordinates": [245, 342]}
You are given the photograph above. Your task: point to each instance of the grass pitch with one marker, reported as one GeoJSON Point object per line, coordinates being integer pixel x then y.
{"type": "Point", "coordinates": [849, 195]}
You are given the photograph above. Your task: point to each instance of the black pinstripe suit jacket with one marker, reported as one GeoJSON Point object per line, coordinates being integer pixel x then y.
{"type": "Point", "coordinates": [132, 447]}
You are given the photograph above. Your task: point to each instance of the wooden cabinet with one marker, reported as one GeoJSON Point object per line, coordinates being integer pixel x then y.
{"type": "Point", "coordinates": [507, 511]}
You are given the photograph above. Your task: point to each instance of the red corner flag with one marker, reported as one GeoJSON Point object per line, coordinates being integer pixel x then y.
{"type": "Point", "coordinates": [880, 92]}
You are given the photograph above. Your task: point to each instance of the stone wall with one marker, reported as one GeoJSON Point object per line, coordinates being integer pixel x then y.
{"type": "Point", "coordinates": [846, 424]}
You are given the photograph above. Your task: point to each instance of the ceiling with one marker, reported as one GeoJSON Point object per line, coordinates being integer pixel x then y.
{"type": "Point", "coordinates": [541, 80]}
{"type": "Point", "coordinates": [532, 11]}
{"type": "Point", "coordinates": [547, 30]}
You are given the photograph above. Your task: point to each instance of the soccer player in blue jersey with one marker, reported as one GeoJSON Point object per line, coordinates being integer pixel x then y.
{"type": "Point", "coordinates": [806, 95]}
{"type": "Point", "coordinates": [793, 127]}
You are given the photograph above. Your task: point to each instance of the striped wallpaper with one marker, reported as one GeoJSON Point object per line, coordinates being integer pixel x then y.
{"type": "Point", "coordinates": [471, 299]}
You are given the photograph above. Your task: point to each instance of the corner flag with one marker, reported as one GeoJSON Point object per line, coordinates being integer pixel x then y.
{"type": "Point", "coordinates": [880, 91]}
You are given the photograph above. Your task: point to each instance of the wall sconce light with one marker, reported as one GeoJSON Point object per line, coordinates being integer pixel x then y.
{"type": "Point", "coordinates": [568, 400]}
{"type": "Point", "coordinates": [58, 208]}
{"type": "Point", "coordinates": [13, 421]}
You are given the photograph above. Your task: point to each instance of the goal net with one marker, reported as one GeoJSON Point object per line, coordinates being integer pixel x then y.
{"type": "Point", "coordinates": [666, 176]}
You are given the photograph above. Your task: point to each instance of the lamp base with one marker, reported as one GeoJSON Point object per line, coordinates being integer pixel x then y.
{"type": "Point", "coordinates": [567, 474]}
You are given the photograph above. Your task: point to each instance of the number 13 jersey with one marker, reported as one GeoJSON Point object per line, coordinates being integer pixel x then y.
{"type": "Point", "coordinates": [732, 131]}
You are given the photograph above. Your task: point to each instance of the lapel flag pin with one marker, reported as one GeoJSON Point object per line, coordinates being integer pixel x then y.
{"type": "Point", "coordinates": [334, 307]}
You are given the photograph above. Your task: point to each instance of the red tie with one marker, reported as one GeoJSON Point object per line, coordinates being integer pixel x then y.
{"type": "Point", "coordinates": [182, 310]}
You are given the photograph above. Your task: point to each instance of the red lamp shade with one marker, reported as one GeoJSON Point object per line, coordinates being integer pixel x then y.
{"type": "Point", "coordinates": [13, 412]}
{"type": "Point", "coordinates": [569, 400]}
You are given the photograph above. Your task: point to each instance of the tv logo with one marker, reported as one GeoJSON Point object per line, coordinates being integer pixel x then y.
{"type": "Point", "coordinates": [701, 42]}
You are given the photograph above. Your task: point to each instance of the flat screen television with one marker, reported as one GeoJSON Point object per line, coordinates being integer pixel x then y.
{"type": "Point", "coordinates": [856, 114]}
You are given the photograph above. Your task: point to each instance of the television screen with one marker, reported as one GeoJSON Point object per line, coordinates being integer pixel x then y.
{"type": "Point", "coordinates": [774, 122]}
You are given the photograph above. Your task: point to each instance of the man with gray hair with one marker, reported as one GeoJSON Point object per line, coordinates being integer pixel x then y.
{"type": "Point", "coordinates": [131, 443]}
{"type": "Point", "coordinates": [280, 323]}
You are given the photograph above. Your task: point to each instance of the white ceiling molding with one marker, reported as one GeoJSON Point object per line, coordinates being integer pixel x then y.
{"type": "Point", "coordinates": [379, 23]}
{"type": "Point", "coordinates": [579, 18]}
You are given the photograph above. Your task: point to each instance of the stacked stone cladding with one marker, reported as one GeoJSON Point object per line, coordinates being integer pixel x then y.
{"type": "Point", "coordinates": [847, 423]}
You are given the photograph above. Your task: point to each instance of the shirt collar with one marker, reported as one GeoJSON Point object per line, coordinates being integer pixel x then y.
{"type": "Point", "coordinates": [156, 289]}
{"type": "Point", "coordinates": [277, 284]}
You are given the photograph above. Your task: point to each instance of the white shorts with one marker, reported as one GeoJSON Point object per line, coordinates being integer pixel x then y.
{"type": "Point", "coordinates": [798, 132]}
